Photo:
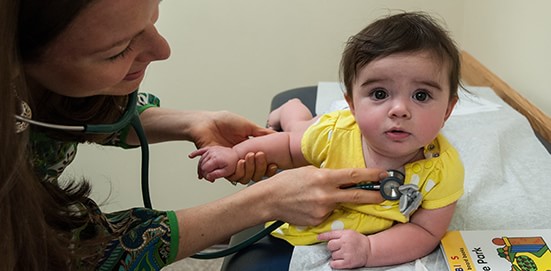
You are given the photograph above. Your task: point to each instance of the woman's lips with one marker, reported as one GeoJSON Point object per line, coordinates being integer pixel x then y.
{"type": "Point", "coordinates": [134, 75]}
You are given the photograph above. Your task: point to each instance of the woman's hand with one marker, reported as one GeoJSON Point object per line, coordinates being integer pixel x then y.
{"type": "Point", "coordinates": [207, 128]}
{"type": "Point", "coordinates": [254, 167]}
{"type": "Point", "coordinates": [301, 196]}
{"type": "Point", "coordinates": [222, 128]}
{"type": "Point", "coordinates": [307, 195]}
{"type": "Point", "coordinates": [227, 129]}
{"type": "Point", "coordinates": [203, 128]}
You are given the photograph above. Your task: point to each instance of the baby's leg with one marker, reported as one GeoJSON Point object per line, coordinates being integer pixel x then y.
{"type": "Point", "coordinates": [290, 116]}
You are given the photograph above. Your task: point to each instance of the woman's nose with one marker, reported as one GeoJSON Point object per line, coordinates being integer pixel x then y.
{"type": "Point", "coordinates": [157, 47]}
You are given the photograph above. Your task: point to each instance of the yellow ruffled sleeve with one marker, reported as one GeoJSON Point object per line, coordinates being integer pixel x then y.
{"type": "Point", "coordinates": [444, 183]}
{"type": "Point", "coordinates": [316, 140]}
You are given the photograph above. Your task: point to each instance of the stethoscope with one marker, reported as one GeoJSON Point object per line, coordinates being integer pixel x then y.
{"type": "Point", "coordinates": [130, 116]}
{"type": "Point", "coordinates": [388, 186]}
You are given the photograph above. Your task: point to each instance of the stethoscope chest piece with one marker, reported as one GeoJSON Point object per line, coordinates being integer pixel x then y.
{"type": "Point", "coordinates": [389, 187]}
{"type": "Point", "coordinates": [391, 184]}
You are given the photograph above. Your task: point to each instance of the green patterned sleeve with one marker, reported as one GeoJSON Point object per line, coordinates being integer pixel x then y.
{"type": "Point", "coordinates": [142, 239]}
{"type": "Point", "coordinates": [145, 101]}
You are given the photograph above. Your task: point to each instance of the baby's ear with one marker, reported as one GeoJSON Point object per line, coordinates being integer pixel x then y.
{"type": "Point", "coordinates": [349, 102]}
{"type": "Point", "coordinates": [451, 105]}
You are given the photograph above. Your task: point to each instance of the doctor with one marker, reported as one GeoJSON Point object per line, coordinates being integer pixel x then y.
{"type": "Point", "coordinates": [75, 62]}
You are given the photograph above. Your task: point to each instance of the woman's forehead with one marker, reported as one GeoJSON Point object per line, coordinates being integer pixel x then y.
{"type": "Point", "coordinates": [104, 23]}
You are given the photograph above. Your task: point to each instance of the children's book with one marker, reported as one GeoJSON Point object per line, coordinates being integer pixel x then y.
{"type": "Point", "coordinates": [500, 250]}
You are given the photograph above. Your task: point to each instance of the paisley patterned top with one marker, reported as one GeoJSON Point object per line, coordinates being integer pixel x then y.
{"type": "Point", "coordinates": [141, 239]}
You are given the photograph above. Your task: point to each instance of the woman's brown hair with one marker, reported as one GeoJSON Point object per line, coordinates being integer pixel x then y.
{"type": "Point", "coordinates": [39, 23]}
{"type": "Point", "coordinates": [38, 218]}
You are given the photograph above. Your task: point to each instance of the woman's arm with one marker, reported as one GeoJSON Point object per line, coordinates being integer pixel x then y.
{"type": "Point", "coordinates": [302, 196]}
{"type": "Point", "coordinates": [206, 128]}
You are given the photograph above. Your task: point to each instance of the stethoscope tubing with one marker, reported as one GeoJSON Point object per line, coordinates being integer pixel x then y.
{"type": "Point", "coordinates": [130, 116]}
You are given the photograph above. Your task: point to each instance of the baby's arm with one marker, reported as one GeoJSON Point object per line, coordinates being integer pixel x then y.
{"type": "Point", "coordinates": [281, 148]}
{"type": "Point", "coordinates": [399, 244]}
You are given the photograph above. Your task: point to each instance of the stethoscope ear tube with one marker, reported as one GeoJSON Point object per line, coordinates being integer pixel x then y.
{"type": "Point", "coordinates": [129, 114]}
{"type": "Point", "coordinates": [137, 125]}
{"type": "Point", "coordinates": [128, 117]}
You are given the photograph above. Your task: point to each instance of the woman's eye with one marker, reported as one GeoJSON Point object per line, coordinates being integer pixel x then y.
{"type": "Point", "coordinates": [421, 96]}
{"type": "Point", "coordinates": [122, 54]}
{"type": "Point", "coordinates": [379, 94]}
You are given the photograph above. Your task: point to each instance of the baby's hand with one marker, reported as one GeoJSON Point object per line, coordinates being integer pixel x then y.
{"type": "Point", "coordinates": [216, 162]}
{"type": "Point", "coordinates": [349, 249]}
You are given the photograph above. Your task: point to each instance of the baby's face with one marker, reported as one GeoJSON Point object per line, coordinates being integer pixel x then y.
{"type": "Point", "coordinates": [401, 101]}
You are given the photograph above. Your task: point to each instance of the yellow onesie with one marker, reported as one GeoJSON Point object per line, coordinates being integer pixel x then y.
{"type": "Point", "coordinates": [334, 141]}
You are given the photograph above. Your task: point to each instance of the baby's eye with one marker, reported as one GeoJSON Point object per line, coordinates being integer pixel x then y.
{"type": "Point", "coordinates": [421, 96]}
{"type": "Point", "coordinates": [379, 94]}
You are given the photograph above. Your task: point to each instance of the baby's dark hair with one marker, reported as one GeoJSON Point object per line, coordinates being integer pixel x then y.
{"type": "Point", "coordinates": [400, 33]}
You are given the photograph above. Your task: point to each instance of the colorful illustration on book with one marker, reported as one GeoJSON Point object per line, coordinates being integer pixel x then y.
{"type": "Point", "coordinates": [524, 253]}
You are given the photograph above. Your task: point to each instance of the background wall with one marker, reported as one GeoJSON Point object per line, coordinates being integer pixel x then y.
{"type": "Point", "coordinates": [512, 38]}
{"type": "Point", "coordinates": [236, 55]}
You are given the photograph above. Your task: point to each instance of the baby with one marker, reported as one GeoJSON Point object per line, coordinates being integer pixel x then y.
{"type": "Point", "coordinates": [401, 75]}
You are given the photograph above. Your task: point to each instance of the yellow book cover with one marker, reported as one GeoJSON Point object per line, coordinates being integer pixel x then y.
{"type": "Point", "coordinates": [499, 250]}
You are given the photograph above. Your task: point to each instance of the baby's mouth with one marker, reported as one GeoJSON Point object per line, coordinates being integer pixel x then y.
{"type": "Point", "coordinates": [397, 134]}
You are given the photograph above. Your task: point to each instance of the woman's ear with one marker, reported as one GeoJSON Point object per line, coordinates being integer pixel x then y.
{"type": "Point", "coordinates": [451, 105]}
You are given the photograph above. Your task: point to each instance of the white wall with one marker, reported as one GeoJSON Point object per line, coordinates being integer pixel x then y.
{"type": "Point", "coordinates": [236, 55]}
{"type": "Point", "coordinates": [513, 39]}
